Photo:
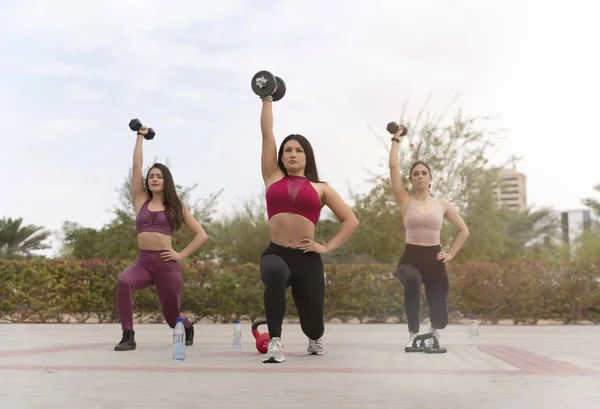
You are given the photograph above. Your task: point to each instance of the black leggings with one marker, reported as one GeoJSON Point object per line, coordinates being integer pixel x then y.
{"type": "Point", "coordinates": [281, 267]}
{"type": "Point", "coordinates": [419, 265]}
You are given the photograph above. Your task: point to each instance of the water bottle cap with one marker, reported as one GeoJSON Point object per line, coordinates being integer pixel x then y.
{"type": "Point", "coordinates": [473, 317]}
{"type": "Point", "coordinates": [237, 321]}
{"type": "Point", "coordinates": [179, 319]}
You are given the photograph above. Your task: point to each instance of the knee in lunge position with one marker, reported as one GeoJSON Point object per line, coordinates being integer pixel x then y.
{"type": "Point", "coordinates": [313, 330]}
{"type": "Point", "coordinates": [310, 312]}
{"type": "Point", "coordinates": [438, 308]}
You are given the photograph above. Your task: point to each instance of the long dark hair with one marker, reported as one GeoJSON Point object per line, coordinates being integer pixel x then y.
{"type": "Point", "coordinates": [310, 171]}
{"type": "Point", "coordinates": [173, 205]}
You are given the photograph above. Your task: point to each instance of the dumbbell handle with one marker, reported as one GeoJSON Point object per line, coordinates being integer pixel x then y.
{"type": "Point", "coordinates": [145, 130]}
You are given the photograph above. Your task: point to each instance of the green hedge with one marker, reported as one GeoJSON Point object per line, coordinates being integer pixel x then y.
{"type": "Point", "coordinates": [524, 292]}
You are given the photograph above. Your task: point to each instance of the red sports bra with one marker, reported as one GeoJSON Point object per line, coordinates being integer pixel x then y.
{"type": "Point", "coordinates": [293, 194]}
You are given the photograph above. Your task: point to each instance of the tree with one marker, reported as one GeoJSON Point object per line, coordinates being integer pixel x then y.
{"type": "Point", "coordinates": [242, 236]}
{"type": "Point", "coordinates": [18, 240]}
{"type": "Point", "coordinates": [593, 204]}
{"type": "Point", "coordinates": [528, 229]}
{"type": "Point", "coordinates": [379, 236]}
{"type": "Point", "coordinates": [486, 223]}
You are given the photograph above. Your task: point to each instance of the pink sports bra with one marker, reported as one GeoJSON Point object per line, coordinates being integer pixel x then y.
{"type": "Point", "coordinates": [153, 222]}
{"type": "Point", "coordinates": [423, 227]}
{"type": "Point", "coordinates": [293, 194]}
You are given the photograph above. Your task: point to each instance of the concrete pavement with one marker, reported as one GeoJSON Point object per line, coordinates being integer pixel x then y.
{"type": "Point", "coordinates": [47, 366]}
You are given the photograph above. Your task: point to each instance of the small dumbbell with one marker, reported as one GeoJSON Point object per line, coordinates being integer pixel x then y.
{"type": "Point", "coordinates": [264, 83]}
{"type": "Point", "coordinates": [393, 127]}
{"type": "Point", "coordinates": [136, 125]}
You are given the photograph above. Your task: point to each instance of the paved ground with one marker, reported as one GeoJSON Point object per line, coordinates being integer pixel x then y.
{"type": "Point", "coordinates": [74, 366]}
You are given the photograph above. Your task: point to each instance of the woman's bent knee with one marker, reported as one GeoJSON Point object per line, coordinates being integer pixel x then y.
{"type": "Point", "coordinates": [314, 332]}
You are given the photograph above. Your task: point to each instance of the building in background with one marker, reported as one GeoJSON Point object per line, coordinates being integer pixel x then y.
{"type": "Point", "coordinates": [512, 192]}
{"type": "Point", "coordinates": [573, 223]}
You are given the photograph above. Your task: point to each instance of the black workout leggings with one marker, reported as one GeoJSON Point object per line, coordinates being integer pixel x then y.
{"type": "Point", "coordinates": [419, 265]}
{"type": "Point", "coordinates": [281, 267]}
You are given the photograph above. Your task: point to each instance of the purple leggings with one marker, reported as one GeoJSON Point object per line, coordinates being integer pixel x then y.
{"type": "Point", "coordinates": [148, 269]}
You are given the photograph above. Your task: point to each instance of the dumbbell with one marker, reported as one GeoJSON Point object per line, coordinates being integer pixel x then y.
{"type": "Point", "coordinates": [393, 127]}
{"type": "Point", "coordinates": [264, 83]}
{"type": "Point", "coordinates": [262, 339]}
{"type": "Point", "coordinates": [135, 125]}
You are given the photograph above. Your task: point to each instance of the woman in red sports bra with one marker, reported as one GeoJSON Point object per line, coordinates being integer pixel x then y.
{"type": "Point", "coordinates": [423, 261]}
{"type": "Point", "coordinates": [295, 196]}
{"type": "Point", "coordinates": [159, 212]}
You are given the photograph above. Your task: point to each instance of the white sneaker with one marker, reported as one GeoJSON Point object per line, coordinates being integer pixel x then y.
{"type": "Point", "coordinates": [429, 342]}
{"type": "Point", "coordinates": [411, 338]}
{"type": "Point", "coordinates": [315, 347]}
{"type": "Point", "coordinates": [274, 351]}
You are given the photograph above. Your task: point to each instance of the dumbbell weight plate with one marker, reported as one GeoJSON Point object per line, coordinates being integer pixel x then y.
{"type": "Point", "coordinates": [263, 83]}
{"type": "Point", "coordinates": [393, 127]}
{"type": "Point", "coordinates": [280, 92]}
{"type": "Point", "coordinates": [150, 135]}
{"type": "Point", "coordinates": [135, 124]}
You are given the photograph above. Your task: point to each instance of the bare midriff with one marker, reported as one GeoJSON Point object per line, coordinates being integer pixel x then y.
{"type": "Point", "coordinates": [154, 241]}
{"type": "Point", "coordinates": [287, 229]}
{"type": "Point", "coordinates": [420, 243]}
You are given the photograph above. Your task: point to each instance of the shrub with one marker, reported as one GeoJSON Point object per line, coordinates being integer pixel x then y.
{"type": "Point", "coordinates": [43, 290]}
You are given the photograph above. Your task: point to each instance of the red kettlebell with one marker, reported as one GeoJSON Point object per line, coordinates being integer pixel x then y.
{"type": "Point", "coordinates": [262, 340]}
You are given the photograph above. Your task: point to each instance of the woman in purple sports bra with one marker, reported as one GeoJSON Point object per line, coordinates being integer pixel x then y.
{"type": "Point", "coordinates": [159, 212]}
{"type": "Point", "coordinates": [423, 260]}
{"type": "Point", "coordinates": [295, 196]}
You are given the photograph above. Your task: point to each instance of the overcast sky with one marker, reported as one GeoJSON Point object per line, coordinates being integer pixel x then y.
{"type": "Point", "coordinates": [73, 73]}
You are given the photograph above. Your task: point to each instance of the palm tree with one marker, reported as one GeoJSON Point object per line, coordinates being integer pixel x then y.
{"type": "Point", "coordinates": [17, 240]}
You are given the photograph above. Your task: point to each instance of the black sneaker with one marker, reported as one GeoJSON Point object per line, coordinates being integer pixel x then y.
{"type": "Point", "coordinates": [189, 335]}
{"type": "Point", "coordinates": [127, 342]}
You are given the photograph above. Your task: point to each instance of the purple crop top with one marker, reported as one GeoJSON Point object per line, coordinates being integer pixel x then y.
{"type": "Point", "coordinates": [153, 222]}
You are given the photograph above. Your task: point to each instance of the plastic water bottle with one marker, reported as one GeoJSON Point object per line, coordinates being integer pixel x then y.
{"type": "Point", "coordinates": [237, 335]}
{"type": "Point", "coordinates": [474, 334]}
{"type": "Point", "coordinates": [179, 341]}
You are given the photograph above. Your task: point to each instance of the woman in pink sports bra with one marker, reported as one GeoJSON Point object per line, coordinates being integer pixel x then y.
{"type": "Point", "coordinates": [159, 212]}
{"type": "Point", "coordinates": [295, 196]}
{"type": "Point", "coordinates": [423, 260]}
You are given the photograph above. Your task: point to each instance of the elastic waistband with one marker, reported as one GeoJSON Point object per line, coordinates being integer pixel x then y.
{"type": "Point", "coordinates": [416, 247]}
{"type": "Point", "coordinates": [277, 248]}
{"type": "Point", "coordinates": [152, 251]}
{"type": "Point", "coordinates": [413, 250]}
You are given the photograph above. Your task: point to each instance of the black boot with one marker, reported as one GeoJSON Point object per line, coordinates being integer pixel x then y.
{"type": "Point", "coordinates": [127, 342]}
{"type": "Point", "coordinates": [189, 335]}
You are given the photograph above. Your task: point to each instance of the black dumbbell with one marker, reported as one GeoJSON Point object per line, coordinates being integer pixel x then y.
{"type": "Point", "coordinates": [264, 83]}
{"type": "Point", "coordinates": [136, 125]}
{"type": "Point", "coordinates": [393, 127]}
